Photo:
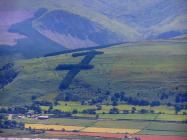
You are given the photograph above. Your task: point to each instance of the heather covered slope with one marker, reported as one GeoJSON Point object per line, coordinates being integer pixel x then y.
{"type": "Point", "coordinates": [151, 71]}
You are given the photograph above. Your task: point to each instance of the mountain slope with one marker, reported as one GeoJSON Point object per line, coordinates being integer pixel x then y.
{"type": "Point", "coordinates": [35, 44]}
{"type": "Point", "coordinates": [73, 27]}
{"type": "Point", "coordinates": [148, 70]}
{"type": "Point", "coordinates": [83, 23]}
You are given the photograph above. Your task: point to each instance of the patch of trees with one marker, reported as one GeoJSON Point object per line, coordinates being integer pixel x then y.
{"type": "Point", "coordinates": [89, 111]}
{"type": "Point", "coordinates": [7, 124]}
{"type": "Point", "coordinates": [6, 67]}
{"type": "Point", "coordinates": [181, 98]}
{"type": "Point", "coordinates": [36, 131]}
{"type": "Point", "coordinates": [114, 111]}
{"type": "Point", "coordinates": [87, 53]}
{"type": "Point", "coordinates": [74, 69]}
{"type": "Point", "coordinates": [164, 96]}
{"type": "Point", "coordinates": [155, 103]}
{"type": "Point", "coordinates": [74, 66]}
{"type": "Point", "coordinates": [106, 97]}
{"type": "Point", "coordinates": [122, 97]}
{"type": "Point", "coordinates": [43, 103]}
{"type": "Point", "coordinates": [33, 97]}
{"type": "Point", "coordinates": [14, 110]}
{"type": "Point", "coordinates": [7, 75]}
{"type": "Point", "coordinates": [89, 56]}
{"type": "Point", "coordinates": [22, 109]}
{"type": "Point", "coordinates": [36, 108]}
{"type": "Point", "coordinates": [59, 114]}
{"type": "Point", "coordinates": [178, 108]}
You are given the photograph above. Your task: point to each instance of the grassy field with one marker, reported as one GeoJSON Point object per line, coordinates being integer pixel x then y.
{"type": "Point", "coordinates": [61, 121]}
{"type": "Point", "coordinates": [166, 117]}
{"type": "Point", "coordinates": [156, 117]}
{"type": "Point", "coordinates": [129, 116]}
{"type": "Point", "coordinates": [165, 113]}
{"type": "Point", "coordinates": [70, 106]}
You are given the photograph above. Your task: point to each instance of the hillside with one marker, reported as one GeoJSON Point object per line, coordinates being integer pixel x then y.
{"type": "Point", "coordinates": [34, 28]}
{"type": "Point", "coordinates": [149, 71]}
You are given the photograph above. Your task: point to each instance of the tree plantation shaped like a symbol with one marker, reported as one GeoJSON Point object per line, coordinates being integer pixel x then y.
{"type": "Point", "coordinates": [74, 69]}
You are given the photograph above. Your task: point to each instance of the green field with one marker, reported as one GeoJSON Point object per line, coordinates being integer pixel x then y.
{"type": "Point", "coordinates": [70, 106]}
{"type": "Point", "coordinates": [64, 121]}
{"type": "Point", "coordinates": [157, 117]}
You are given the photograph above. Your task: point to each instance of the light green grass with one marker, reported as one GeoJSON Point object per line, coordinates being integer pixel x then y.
{"type": "Point", "coordinates": [70, 106]}
{"type": "Point", "coordinates": [129, 116]}
{"type": "Point", "coordinates": [121, 107]}
{"type": "Point", "coordinates": [166, 117]}
{"type": "Point", "coordinates": [73, 105]}
{"type": "Point", "coordinates": [161, 117]}
{"type": "Point", "coordinates": [62, 121]}
{"type": "Point", "coordinates": [157, 132]}
{"type": "Point", "coordinates": [166, 126]}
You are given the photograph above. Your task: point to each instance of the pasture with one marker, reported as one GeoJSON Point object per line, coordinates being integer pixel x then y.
{"type": "Point", "coordinates": [70, 106]}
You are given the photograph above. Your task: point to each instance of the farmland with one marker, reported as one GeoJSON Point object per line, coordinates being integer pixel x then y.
{"type": "Point", "coordinates": [82, 129]}
{"type": "Point", "coordinates": [53, 127]}
{"type": "Point", "coordinates": [110, 126]}
{"type": "Point", "coordinates": [110, 123]}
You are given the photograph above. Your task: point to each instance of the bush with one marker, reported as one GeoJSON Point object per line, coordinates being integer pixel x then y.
{"type": "Point", "coordinates": [114, 111]}
{"type": "Point", "coordinates": [89, 111]}
{"type": "Point", "coordinates": [75, 111]}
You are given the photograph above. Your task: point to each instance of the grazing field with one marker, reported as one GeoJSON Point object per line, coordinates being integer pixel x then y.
{"type": "Point", "coordinates": [61, 121]}
{"type": "Point", "coordinates": [129, 116]}
{"type": "Point", "coordinates": [158, 117]}
{"type": "Point", "coordinates": [166, 117]}
{"type": "Point", "coordinates": [164, 132]}
{"type": "Point", "coordinates": [70, 106]}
